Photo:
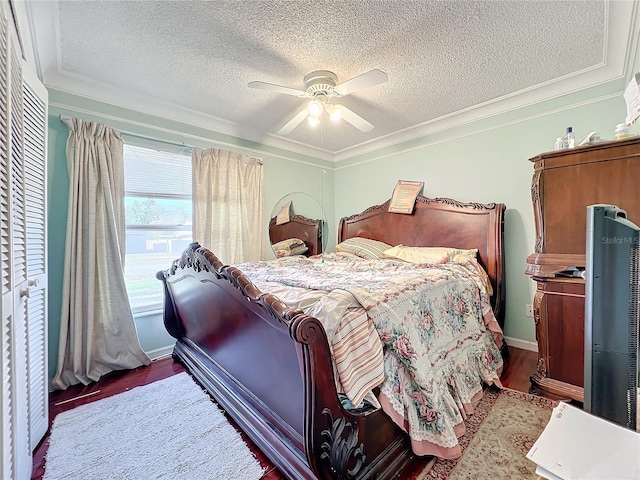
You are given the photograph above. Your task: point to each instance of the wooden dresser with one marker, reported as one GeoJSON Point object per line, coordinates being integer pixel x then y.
{"type": "Point", "coordinates": [564, 183]}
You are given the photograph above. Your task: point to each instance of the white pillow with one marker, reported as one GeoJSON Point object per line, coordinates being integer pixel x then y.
{"type": "Point", "coordinates": [299, 250]}
{"type": "Point", "coordinates": [288, 244]}
{"type": "Point", "coordinates": [427, 254]}
{"type": "Point", "coordinates": [288, 247]}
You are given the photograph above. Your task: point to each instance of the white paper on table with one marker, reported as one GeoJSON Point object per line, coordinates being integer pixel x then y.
{"type": "Point", "coordinates": [578, 445]}
{"type": "Point", "coordinates": [632, 97]}
{"type": "Point", "coordinates": [547, 474]}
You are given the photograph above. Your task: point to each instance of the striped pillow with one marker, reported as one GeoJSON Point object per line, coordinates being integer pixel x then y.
{"type": "Point", "coordinates": [363, 247]}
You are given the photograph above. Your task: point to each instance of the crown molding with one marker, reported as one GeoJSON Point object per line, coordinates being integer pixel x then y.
{"type": "Point", "coordinates": [131, 127]}
{"type": "Point", "coordinates": [620, 41]}
{"type": "Point", "coordinates": [79, 87]}
{"type": "Point", "coordinates": [481, 128]}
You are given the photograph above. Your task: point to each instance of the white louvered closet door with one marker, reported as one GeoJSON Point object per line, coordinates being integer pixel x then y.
{"type": "Point", "coordinates": [35, 154]}
{"type": "Point", "coordinates": [6, 331]}
{"type": "Point", "coordinates": [24, 403]}
{"type": "Point", "coordinates": [19, 265]}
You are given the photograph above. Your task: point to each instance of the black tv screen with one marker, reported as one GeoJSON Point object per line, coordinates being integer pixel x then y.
{"type": "Point", "coordinates": [612, 292]}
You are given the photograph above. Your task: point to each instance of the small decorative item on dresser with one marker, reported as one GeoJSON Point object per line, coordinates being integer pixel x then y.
{"type": "Point", "coordinates": [570, 139]}
{"type": "Point", "coordinates": [622, 131]}
{"type": "Point", "coordinates": [559, 145]}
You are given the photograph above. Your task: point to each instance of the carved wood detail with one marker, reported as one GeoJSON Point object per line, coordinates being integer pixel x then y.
{"type": "Point", "coordinates": [537, 209]}
{"type": "Point", "coordinates": [541, 333]}
{"type": "Point", "coordinates": [341, 449]}
{"type": "Point", "coordinates": [421, 199]}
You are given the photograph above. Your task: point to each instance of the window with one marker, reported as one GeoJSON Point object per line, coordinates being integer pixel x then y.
{"type": "Point", "coordinates": [158, 217]}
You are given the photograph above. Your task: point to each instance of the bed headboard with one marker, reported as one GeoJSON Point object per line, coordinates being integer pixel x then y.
{"type": "Point", "coordinates": [440, 222]}
{"type": "Point", "coordinates": [306, 229]}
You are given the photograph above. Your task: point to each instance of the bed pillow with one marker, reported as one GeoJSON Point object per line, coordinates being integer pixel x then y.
{"type": "Point", "coordinates": [289, 243]}
{"type": "Point", "coordinates": [427, 254]}
{"type": "Point", "coordinates": [363, 247]}
{"type": "Point", "coordinates": [288, 247]}
{"type": "Point", "coordinates": [289, 252]}
{"type": "Point", "coordinates": [299, 249]}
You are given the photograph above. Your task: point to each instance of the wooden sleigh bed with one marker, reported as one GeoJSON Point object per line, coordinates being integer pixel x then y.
{"type": "Point", "coordinates": [270, 367]}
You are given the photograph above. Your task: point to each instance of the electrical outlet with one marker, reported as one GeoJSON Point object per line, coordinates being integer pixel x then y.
{"type": "Point", "coordinates": [529, 310]}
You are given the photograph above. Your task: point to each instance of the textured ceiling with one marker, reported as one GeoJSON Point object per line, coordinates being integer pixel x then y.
{"type": "Point", "coordinates": [196, 57]}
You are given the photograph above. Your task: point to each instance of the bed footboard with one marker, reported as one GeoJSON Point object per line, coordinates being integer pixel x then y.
{"type": "Point", "coordinates": [270, 368]}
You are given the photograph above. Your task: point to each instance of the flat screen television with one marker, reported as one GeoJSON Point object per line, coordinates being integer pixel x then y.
{"type": "Point", "coordinates": [612, 289]}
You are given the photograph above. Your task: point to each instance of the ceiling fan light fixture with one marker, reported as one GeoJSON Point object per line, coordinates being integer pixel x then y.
{"type": "Point", "coordinates": [313, 120]}
{"type": "Point", "coordinates": [320, 87]}
{"type": "Point", "coordinates": [335, 113]}
{"type": "Point", "coordinates": [315, 108]}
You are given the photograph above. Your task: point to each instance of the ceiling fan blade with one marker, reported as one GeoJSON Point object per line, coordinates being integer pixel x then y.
{"type": "Point", "coordinates": [366, 80]}
{"type": "Point", "coordinates": [355, 119]}
{"type": "Point", "coordinates": [276, 88]}
{"type": "Point", "coordinates": [294, 122]}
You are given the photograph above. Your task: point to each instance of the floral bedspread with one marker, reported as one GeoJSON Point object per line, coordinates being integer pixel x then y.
{"type": "Point", "coordinates": [438, 331]}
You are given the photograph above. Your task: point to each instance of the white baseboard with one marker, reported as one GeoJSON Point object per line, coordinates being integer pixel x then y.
{"type": "Point", "coordinates": [523, 344]}
{"type": "Point", "coordinates": [160, 353]}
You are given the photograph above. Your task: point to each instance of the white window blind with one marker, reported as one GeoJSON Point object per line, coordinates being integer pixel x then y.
{"type": "Point", "coordinates": [157, 173]}
{"type": "Point", "coordinates": [158, 216]}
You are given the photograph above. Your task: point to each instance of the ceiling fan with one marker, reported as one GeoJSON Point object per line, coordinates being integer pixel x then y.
{"type": "Point", "coordinates": [321, 86]}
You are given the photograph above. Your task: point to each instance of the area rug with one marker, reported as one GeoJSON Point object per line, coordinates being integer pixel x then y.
{"type": "Point", "coordinates": [502, 429]}
{"type": "Point", "coordinates": [169, 429]}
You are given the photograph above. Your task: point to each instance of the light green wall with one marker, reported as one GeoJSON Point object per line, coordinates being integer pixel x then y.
{"type": "Point", "coordinates": [482, 162]}
{"type": "Point", "coordinates": [58, 195]}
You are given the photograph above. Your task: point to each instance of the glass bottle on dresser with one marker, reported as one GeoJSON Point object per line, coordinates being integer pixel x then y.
{"type": "Point", "coordinates": [569, 138]}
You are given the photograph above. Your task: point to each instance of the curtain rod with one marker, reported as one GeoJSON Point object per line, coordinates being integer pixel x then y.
{"type": "Point", "coordinates": [64, 119]}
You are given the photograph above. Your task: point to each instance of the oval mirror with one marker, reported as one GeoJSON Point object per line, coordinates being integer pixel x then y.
{"type": "Point", "coordinates": [297, 218]}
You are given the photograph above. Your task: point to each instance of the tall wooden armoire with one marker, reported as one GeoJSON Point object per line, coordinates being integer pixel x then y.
{"type": "Point", "coordinates": [564, 183]}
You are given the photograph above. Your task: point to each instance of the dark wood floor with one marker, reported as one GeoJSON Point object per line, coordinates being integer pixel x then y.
{"type": "Point", "coordinates": [520, 365]}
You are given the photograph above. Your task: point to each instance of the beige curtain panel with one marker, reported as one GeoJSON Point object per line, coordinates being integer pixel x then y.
{"type": "Point", "coordinates": [97, 330]}
{"type": "Point", "coordinates": [228, 205]}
